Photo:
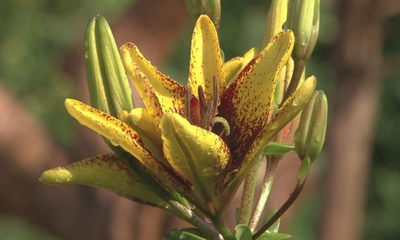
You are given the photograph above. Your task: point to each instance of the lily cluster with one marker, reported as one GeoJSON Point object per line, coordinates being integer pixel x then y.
{"type": "Point", "coordinates": [189, 149]}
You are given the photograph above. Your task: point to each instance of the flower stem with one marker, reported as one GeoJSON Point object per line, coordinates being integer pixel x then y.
{"type": "Point", "coordinates": [248, 193]}
{"type": "Point", "coordinates": [192, 218]}
{"type": "Point", "coordinates": [220, 224]}
{"type": "Point", "coordinates": [293, 196]}
{"type": "Point", "coordinates": [174, 206]}
{"type": "Point", "coordinates": [272, 163]}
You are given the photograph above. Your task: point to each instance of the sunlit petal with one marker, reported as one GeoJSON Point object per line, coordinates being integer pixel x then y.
{"type": "Point", "coordinates": [120, 134]}
{"type": "Point", "coordinates": [247, 103]}
{"type": "Point", "coordinates": [159, 92]}
{"type": "Point", "coordinates": [205, 59]}
{"type": "Point", "coordinates": [195, 153]}
{"type": "Point", "coordinates": [291, 107]}
{"type": "Point", "coordinates": [107, 172]}
{"type": "Point", "coordinates": [147, 127]}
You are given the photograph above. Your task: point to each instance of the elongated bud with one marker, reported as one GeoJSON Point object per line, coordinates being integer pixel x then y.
{"type": "Point", "coordinates": [276, 17]}
{"type": "Point", "coordinates": [303, 20]}
{"type": "Point", "coordinates": [108, 85]}
{"type": "Point", "coordinates": [212, 8]}
{"type": "Point", "coordinates": [310, 134]}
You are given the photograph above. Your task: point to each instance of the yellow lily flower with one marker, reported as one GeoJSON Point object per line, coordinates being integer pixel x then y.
{"type": "Point", "coordinates": [199, 140]}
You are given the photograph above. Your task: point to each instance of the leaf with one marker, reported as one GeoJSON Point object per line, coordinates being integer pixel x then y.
{"type": "Point", "coordinates": [243, 232]}
{"type": "Point", "coordinates": [185, 233]}
{"type": "Point", "coordinates": [274, 227]}
{"type": "Point", "coordinates": [274, 236]}
{"type": "Point", "coordinates": [277, 148]}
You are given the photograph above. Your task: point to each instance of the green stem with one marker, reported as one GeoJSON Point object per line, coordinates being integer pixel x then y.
{"type": "Point", "coordinates": [174, 206]}
{"type": "Point", "coordinates": [293, 196]}
{"type": "Point", "coordinates": [220, 225]}
{"type": "Point", "coordinates": [249, 187]}
{"type": "Point", "coordinates": [188, 215]}
{"type": "Point", "coordinates": [272, 163]}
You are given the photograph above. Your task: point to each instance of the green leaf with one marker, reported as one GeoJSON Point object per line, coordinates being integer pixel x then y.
{"type": "Point", "coordinates": [277, 148]}
{"type": "Point", "coordinates": [274, 236]}
{"type": "Point", "coordinates": [185, 233]}
{"type": "Point", "coordinates": [274, 227]}
{"type": "Point", "coordinates": [243, 232]}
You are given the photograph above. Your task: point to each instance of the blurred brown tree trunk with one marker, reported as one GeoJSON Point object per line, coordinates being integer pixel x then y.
{"type": "Point", "coordinates": [359, 61]}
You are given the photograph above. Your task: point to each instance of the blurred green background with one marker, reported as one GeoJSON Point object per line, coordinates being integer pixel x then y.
{"type": "Point", "coordinates": [36, 37]}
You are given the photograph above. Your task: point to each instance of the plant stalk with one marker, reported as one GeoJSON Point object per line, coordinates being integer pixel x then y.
{"type": "Point", "coordinates": [272, 164]}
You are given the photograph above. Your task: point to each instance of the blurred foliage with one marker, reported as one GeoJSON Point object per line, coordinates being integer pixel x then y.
{"type": "Point", "coordinates": [10, 229]}
{"type": "Point", "coordinates": [383, 203]}
{"type": "Point", "coordinates": [37, 35]}
{"type": "Point", "coordinates": [35, 38]}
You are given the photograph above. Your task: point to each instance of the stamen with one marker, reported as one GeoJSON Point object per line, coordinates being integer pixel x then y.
{"type": "Point", "coordinates": [206, 117]}
{"type": "Point", "coordinates": [202, 100]}
{"type": "Point", "coordinates": [225, 124]}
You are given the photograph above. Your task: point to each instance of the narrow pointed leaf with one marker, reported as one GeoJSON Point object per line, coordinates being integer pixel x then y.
{"type": "Point", "coordinates": [106, 172]}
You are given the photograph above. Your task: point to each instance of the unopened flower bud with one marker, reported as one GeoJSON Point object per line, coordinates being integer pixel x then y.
{"type": "Point", "coordinates": [108, 85]}
{"type": "Point", "coordinates": [211, 8]}
{"type": "Point", "coordinates": [310, 134]}
{"type": "Point", "coordinates": [303, 20]}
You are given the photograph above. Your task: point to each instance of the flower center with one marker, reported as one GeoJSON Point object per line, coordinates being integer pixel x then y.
{"type": "Point", "coordinates": [200, 112]}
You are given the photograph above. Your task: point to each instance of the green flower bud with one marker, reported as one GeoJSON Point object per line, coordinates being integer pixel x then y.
{"type": "Point", "coordinates": [310, 134]}
{"type": "Point", "coordinates": [108, 85]}
{"type": "Point", "coordinates": [211, 8]}
{"type": "Point", "coordinates": [303, 20]}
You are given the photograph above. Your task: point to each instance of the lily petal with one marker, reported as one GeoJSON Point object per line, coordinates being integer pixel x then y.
{"type": "Point", "coordinates": [231, 69]}
{"type": "Point", "coordinates": [120, 134]}
{"type": "Point", "coordinates": [107, 172]}
{"type": "Point", "coordinates": [159, 92]}
{"type": "Point", "coordinates": [205, 59]}
{"type": "Point", "coordinates": [195, 153]}
{"type": "Point", "coordinates": [147, 127]}
{"type": "Point", "coordinates": [291, 107]}
{"type": "Point", "coordinates": [247, 103]}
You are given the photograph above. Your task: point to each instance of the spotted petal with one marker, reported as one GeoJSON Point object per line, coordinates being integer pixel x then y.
{"type": "Point", "coordinates": [195, 153]}
{"type": "Point", "coordinates": [147, 127]}
{"type": "Point", "coordinates": [159, 92]}
{"type": "Point", "coordinates": [247, 103]}
{"type": "Point", "coordinates": [205, 59]}
{"type": "Point", "coordinates": [120, 134]}
{"type": "Point", "coordinates": [289, 109]}
{"type": "Point", "coordinates": [107, 172]}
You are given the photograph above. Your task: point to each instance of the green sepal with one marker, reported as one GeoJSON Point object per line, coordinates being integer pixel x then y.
{"type": "Point", "coordinates": [275, 226]}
